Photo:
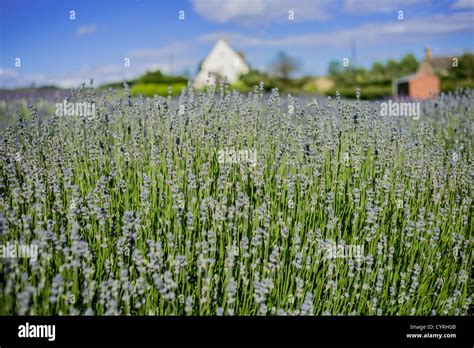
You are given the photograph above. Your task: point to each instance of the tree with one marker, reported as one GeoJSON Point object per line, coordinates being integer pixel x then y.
{"type": "Point", "coordinates": [377, 71]}
{"type": "Point", "coordinates": [408, 64]}
{"type": "Point", "coordinates": [158, 77]}
{"type": "Point", "coordinates": [284, 65]}
{"type": "Point", "coordinates": [392, 68]}
{"type": "Point", "coordinates": [464, 68]}
{"type": "Point", "coordinates": [334, 68]}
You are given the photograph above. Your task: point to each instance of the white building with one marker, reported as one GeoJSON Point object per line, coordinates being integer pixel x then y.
{"type": "Point", "coordinates": [222, 62]}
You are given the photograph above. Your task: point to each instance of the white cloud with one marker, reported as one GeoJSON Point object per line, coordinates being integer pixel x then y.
{"type": "Point", "coordinates": [261, 11]}
{"type": "Point", "coordinates": [173, 58]}
{"type": "Point", "coordinates": [86, 29]}
{"type": "Point", "coordinates": [463, 4]}
{"type": "Point", "coordinates": [369, 33]}
{"type": "Point", "coordinates": [379, 6]}
{"type": "Point", "coordinates": [170, 59]}
{"type": "Point", "coordinates": [177, 48]}
{"type": "Point", "coordinates": [8, 73]}
{"type": "Point", "coordinates": [12, 78]}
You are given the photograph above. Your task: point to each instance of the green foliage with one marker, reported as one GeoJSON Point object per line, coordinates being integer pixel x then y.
{"type": "Point", "coordinates": [309, 87]}
{"type": "Point", "coordinates": [150, 77]}
{"type": "Point", "coordinates": [156, 77]}
{"type": "Point", "coordinates": [378, 72]}
{"type": "Point", "coordinates": [254, 77]}
{"type": "Point", "coordinates": [451, 84]}
{"type": "Point", "coordinates": [151, 89]}
{"type": "Point", "coordinates": [367, 92]}
{"type": "Point", "coordinates": [335, 68]}
{"type": "Point", "coordinates": [407, 65]}
{"type": "Point", "coordinates": [465, 68]}
{"type": "Point", "coordinates": [241, 87]}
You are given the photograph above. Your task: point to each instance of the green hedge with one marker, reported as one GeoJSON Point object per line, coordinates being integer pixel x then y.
{"type": "Point", "coordinates": [241, 87]}
{"type": "Point", "coordinates": [156, 77]}
{"type": "Point", "coordinates": [150, 89]}
{"type": "Point", "coordinates": [368, 92]}
{"type": "Point", "coordinates": [451, 85]}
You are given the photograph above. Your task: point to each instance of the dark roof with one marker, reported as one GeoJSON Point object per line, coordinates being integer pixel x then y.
{"type": "Point", "coordinates": [441, 63]}
{"type": "Point", "coordinates": [241, 54]}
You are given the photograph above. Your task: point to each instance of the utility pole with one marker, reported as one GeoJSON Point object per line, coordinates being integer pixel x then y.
{"type": "Point", "coordinates": [353, 53]}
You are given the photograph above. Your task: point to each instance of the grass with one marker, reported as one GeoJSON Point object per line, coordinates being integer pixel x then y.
{"type": "Point", "coordinates": [133, 213]}
{"type": "Point", "coordinates": [162, 89]}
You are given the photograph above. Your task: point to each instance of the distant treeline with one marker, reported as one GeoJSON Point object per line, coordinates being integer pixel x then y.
{"type": "Point", "coordinates": [153, 82]}
{"type": "Point", "coordinates": [374, 82]}
{"type": "Point", "coordinates": [377, 81]}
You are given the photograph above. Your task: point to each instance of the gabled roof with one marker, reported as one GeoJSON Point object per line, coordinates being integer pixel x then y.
{"type": "Point", "coordinates": [441, 63]}
{"type": "Point", "coordinates": [222, 62]}
{"type": "Point", "coordinates": [435, 65]}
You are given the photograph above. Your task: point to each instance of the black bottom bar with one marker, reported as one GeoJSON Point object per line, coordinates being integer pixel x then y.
{"type": "Point", "coordinates": [413, 331]}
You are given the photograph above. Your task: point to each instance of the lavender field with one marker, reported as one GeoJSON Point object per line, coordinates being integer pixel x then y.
{"type": "Point", "coordinates": [220, 203]}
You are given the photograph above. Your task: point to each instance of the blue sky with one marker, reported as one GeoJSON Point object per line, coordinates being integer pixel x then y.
{"type": "Point", "coordinates": [53, 49]}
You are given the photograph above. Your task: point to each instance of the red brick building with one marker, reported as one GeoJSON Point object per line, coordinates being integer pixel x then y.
{"type": "Point", "coordinates": [424, 84]}
{"type": "Point", "coordinates": [421, 85]}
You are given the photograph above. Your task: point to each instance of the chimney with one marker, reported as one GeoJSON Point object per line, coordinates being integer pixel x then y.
{"type": "Point", "coordinates": [427, 53]}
